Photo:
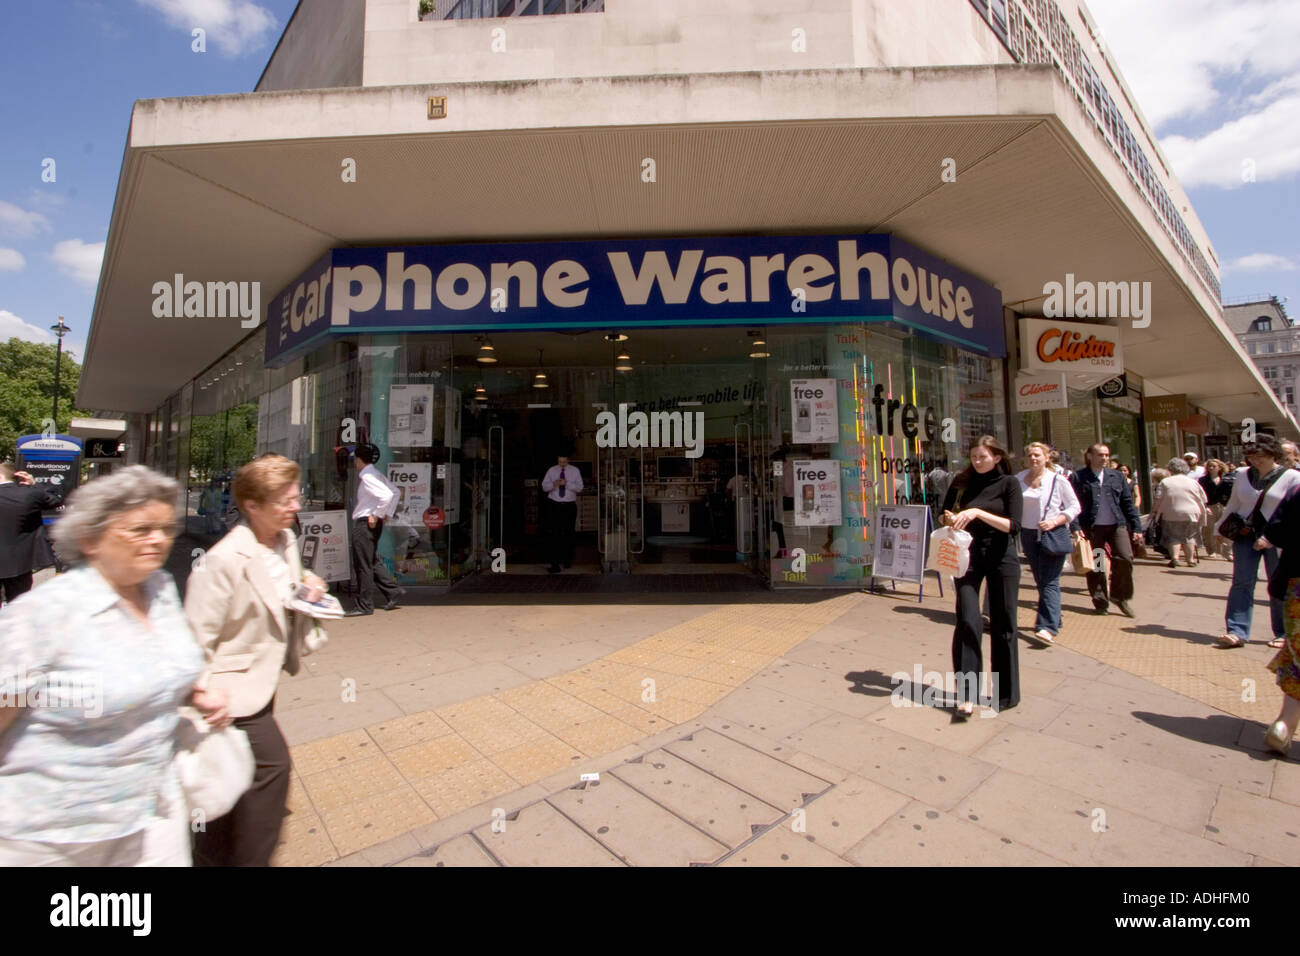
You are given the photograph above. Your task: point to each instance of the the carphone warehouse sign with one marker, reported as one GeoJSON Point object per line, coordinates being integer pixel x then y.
{"type": "Point", "coordinates": [730, 280]}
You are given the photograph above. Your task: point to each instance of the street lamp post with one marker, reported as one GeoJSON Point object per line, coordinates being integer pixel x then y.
{"type": "Point", "coordinates": [60, 330]}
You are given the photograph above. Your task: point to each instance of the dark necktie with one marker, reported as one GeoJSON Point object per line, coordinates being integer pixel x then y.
{"type": "Point", "coordinates": [562, 478]}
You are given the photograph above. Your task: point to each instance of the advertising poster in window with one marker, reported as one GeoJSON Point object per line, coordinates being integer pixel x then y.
{"type": "Point", "coordinates": [323, 543]}
{"type": "Point", "coordinates": [901, 535]}
{"type": "Point", "coordinates": [814, 412]}
{"type": "Point", "coordinates": [817, 494]}
{"type": "Point", "coordinates": [412, 481]}
{"type": "Point", "coordinates": [410, 416]}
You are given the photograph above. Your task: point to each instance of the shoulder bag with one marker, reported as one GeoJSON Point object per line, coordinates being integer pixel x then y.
{"type": "Point", "coordinates": [1057, 541]}
{"type": "Point", "coordinates": [1237, 528]}
{"type": "Point", "coordinates": [215, 766]}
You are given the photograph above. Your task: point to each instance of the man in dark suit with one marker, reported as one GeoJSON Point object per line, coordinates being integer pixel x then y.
{"type": "Point", "coordinates": [1108, 518]}
{"type": "Point", "coordinates": [21, 502]}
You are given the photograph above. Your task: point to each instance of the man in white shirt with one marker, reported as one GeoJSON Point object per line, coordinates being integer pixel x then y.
{"type": "Point", "coordinates": [376, 501]}
{"type": "Point", "coordinates": [1197, 472]}
{"type": "Point", "coordinates": [562, 484]}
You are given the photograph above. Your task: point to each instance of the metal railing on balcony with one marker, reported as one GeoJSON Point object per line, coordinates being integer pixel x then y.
{"type": "Point", "coordinates": [488, 9]}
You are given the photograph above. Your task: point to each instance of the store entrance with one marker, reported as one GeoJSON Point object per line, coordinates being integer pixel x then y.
{"type": "Point", "coordinates": [668, 455]}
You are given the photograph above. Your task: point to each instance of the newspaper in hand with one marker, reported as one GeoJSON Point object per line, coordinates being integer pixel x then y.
{"type": "Point", "coordinates": [327, 608]}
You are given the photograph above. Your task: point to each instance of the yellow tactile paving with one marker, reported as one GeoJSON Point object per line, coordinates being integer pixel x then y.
{"type": "Point", "coordinates": [371, 785]}
{"type": "Point", "coordinates": [434, 756]}
{"type": "Point", "coordinates": [408, 730]}
{"type": "Point", "coordinates": [600, 736]}
{"type": "Point", "coordinates": [303, 842]}
{"type": "Point", "coordinates": [452, 791]}
{"type": "Point", "coordinates": [350, 782]}
{"type": "Point", "coordinates": [322, 754]}
{"type": "Point", "coordinates": [358, 825]}
{"type": "Point", "coordinates": [537, 759]}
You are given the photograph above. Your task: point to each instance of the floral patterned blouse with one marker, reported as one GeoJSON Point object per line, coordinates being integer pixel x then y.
{"type": "Point", "coordinates": [89, 753]}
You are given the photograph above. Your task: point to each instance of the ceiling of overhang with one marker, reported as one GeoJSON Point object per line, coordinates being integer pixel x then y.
{"type": "Point", "coordinates": [1022, 211]}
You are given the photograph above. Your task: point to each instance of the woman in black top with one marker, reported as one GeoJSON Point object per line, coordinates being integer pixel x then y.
{"type": "Point", "coordinates": [985, 501]}
{"type": "Point", "coordinates": [1283, 530]}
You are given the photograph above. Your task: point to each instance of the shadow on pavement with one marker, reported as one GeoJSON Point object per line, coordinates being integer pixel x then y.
{"type": "Point", "coordinates": [1219, 730]}
{"type": "Point", "coordinates": [1159, 630]}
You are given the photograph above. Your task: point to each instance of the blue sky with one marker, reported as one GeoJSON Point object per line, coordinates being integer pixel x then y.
{"type": "Point", "coordinates": [1219, 81]}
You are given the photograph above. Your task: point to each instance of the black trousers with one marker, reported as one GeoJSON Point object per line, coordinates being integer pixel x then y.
{"type": "Point", "coordinates": [564, 515]}
{"type": "Point", "coordinates": [247, 835]}
{"type": "Point", "coordinates": [370, 572]}
{"type": "Point", "coordinates": [12, 587]}
{"type": "Point", "coordinates": [1121, 563]}
{"type": "Point", "coordinates": [1002, 576]}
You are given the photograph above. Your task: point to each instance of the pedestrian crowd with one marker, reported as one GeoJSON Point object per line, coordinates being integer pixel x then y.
{"type": "Point", "coordinates": [1249, 515]}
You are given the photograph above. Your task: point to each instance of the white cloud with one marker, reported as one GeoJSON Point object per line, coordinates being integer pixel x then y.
{"type": "Point", "coordinates": [80, 260]}
{"type": "Point", "coordinates": [1170, 51]}
{"type": "Point", "coordinates": [45, 199]}
{"type": "Point", "coordinates": [1192, 60]}
{"type": "Point", "coordinates": [1259, 147]}
{"type": "Point", "coordinates": [1259, 262]}
{"type": "Point", "coordinates": [236, 27]}
{"type": "Point", "coordinates": [11, 327]}
{"type": "Point", "coordinates": [11, 260]}
{"type": "Point", "coordinates": [16, 221]}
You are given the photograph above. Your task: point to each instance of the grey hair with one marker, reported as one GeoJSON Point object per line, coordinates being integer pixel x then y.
{"type": "Point", "coordinates": [1178, 466]}
{"type": "Point", "coordinates": [1158, 475]}
{"type": "Point", "coordinates": [95, 505]}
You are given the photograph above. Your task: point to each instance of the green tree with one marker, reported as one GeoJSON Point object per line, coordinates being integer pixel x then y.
{"type": "Point", "coordinates": [27, 391]}
{"type": "Point", "coordinates": [224, 440]}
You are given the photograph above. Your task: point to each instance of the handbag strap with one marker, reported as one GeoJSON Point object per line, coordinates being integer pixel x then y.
{"type": "Point", "coordinates": [1257, 513]}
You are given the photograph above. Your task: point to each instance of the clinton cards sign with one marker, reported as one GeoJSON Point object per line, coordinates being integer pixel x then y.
{"type": "Point", "coordinates": [730, 280]}
{"type": "Point", "coordinates": [1050, 345]}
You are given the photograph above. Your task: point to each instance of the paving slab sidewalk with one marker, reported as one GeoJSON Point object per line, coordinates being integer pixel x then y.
{"type": "Point", "coordinates": [761, 729]}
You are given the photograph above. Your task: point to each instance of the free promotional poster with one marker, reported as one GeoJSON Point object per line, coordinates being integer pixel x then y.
{"type": "Point", "coordinates": [410, 419]}
{"type": "Point", "coordinates": [814, 411]}
{"type": "Point", "coordinates": [412, 481]}
{"type": "Point", "coordinates": [323, 543]}
{"type": "Point", "coordinates": [816, 493]}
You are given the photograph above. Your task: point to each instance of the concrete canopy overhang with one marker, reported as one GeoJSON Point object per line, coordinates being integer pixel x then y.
{"type": "Point", "coordinates": [250, 187]}
{"type": "Point", "coordinates": [97, 428]}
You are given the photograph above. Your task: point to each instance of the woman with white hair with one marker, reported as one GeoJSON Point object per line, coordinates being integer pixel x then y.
{"type": "Point", "coordinates": [1180, 508]}
{"type": "Point", "coordinates": [100, 659]}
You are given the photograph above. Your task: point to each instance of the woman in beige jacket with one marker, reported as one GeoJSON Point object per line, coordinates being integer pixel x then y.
{"type": "Point", "coordinates": [1180, 505]}
{"type": "Point", "coordinates": [235, 601]}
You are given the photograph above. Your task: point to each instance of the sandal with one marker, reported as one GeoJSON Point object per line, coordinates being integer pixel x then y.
{"type": "Point", "coordinates": [1278, 643]}
{"type": "Point", "coordinates": [1228, 641]}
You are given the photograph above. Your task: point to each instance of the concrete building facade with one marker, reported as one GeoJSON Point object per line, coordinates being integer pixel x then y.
{"type": "Point", "coordinates": [823, 228]}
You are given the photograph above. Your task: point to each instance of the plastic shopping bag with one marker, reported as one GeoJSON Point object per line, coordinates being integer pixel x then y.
{"type": "Point", "coordinates": [949, 552]}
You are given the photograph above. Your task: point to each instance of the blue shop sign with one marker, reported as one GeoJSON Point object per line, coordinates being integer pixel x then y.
{"type": "Point", "coordinates": [53, 460]}
{"type": "Point", "coordinates": [699, 281]}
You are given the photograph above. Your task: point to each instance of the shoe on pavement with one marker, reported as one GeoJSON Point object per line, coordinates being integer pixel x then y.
{"type": "Point", "coordinates": [1125, 607]}
{"type": "Point", "coordinates": [357, 612]}
{"type": "Point", "coordinates": [392, 605]}
{"type": "Point", "coordinates": [1100, 602]}
{"type": "Point", "coordinates": [1044, 635]}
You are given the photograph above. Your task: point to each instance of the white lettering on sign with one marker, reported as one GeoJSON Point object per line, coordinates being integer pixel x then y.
{"type": "Point", "coordinates": [672, 277]}
{"type": "Point", "coordinates": [653, 430]}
